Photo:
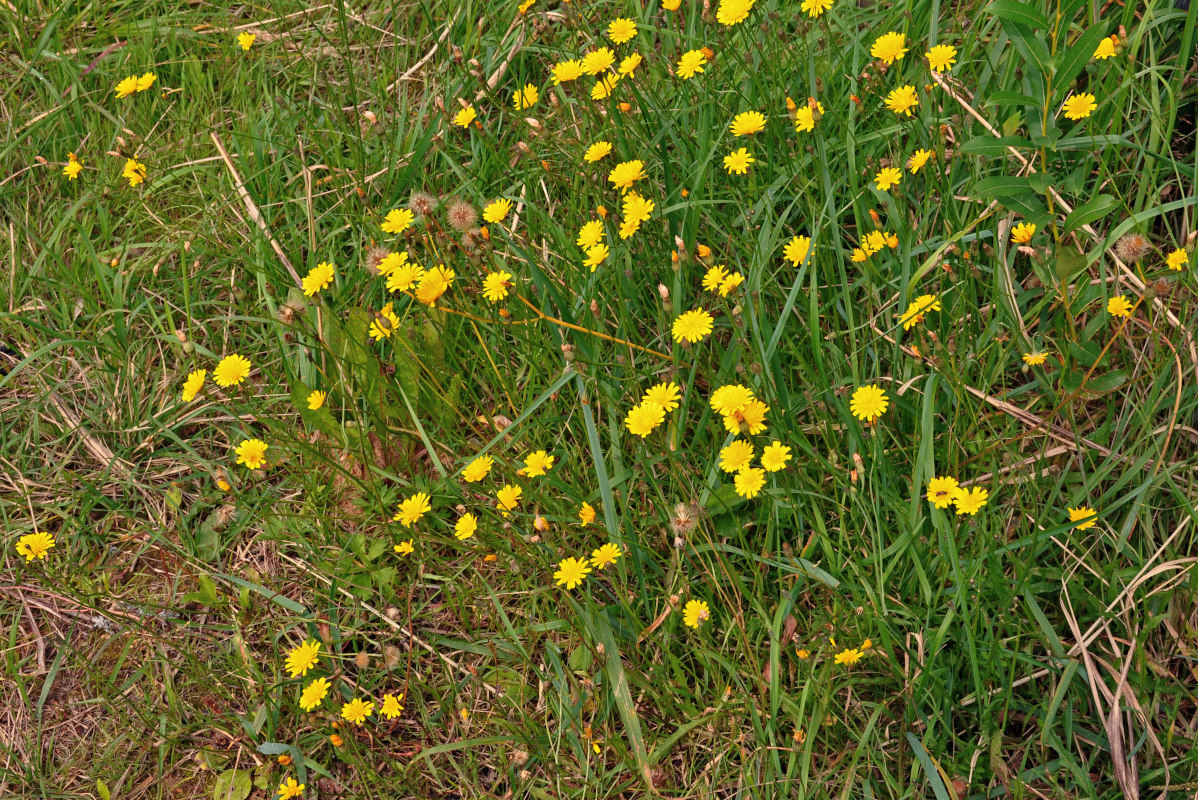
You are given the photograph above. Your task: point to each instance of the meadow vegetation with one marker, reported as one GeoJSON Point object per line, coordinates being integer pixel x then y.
{"type": "Point", "coordinates": [598, 399]}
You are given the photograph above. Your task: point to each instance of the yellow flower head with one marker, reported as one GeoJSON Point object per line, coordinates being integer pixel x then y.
{"type": "Point", "coordinates": [465, 527]}
{"type": "Point", "coordinates": [774, 457]}
{"type": "Point", "coordinates": [411, 509]}
{"type": "Point", "coordinates": [887, 177]}
{"type": "Point", "coordinates": [605, 556]}
{"type": "Point", "coordinates": [942, 492]}
{"type": "Point", "coordinates": [665, 395]}
{"type": "Point", "coordinates": [495, 211]}
{"type": "Point", "coordinates": [590, 234]}
{"type": "Point", "coordinates": [526, 97]}
{"type": "Point", "coordinates": [747, 123]}
{"type": "Point", "coordinates": [314, 693]}
{"type": "Point", "coordinates": [918, 159]}
{"type": "Point", "coordinates": [252, 453]}
{"type": "Point", "coordinates": [692, 326]}
{"type": "Point", "coordinates": [902, 100]}
{"type": "Point", "coordinates": [629, 64]}
{"type": "Point", "coordinates": [917, 308]}
{"type": "Point", "coordinates": [695, 612]}
{"type": "Point", "coordinates": [392, 705]}
{"type": "Point", "coordinates": [738, 161]}
{"type": "Point", "coordinates": [889, 47]}
{"type": "Point", "coordinates": [736, 456]}
{"type": "Point", "coordinates": [318, 278]}
{"type": "Point", "coordinates": [146, 81]}
{"type": "Point", "coordinates": [749, 481]}
{"type": "Point", "coordinates": [538, 463]}
{"type": "Point", "coordinates": [597, 151]}
{"type": "Point", "coordinates": [134, 172]}
{"type": "Point", "coordinates": [1177, 260]}
{"type": "Point", "coordinates": [477, 469]}
{"type": "Point", "coordinates": [596, 255]}
{"type": "Point", "coordinates": [405, 548]}
{"type": "Point", "coordinates": [642, 419]}
{"type": "Point", "coordinates": [691, 64]}
{"type": "Point", "coordinates": [733, 12]}
{"type": "Point", "coordinates": [714, 277]}
{"type": "Point", "coordinates": [1106, 48]}
{"type": "Point", "coordinates": [1034, 359]}
{"type": "Point", "coordinates": [496, 285]}
{"type": "Point", "coordinates": [465, 116]}
{"type": "Point", "coordinates": [621, 30]}
{"type": "Point", "coordinates": [1079, 106]}
{"type": "Point", "coordinates": [357, 710]}
{"type": "Point", "coordinates": [73, 167]}
{"type": "Point", "coordinates": [316, 400]}
{"type": "Point", "coordinates": [806, 117]}
{"type": "Point", "coordinates": [1023, 233]}
{"type": "Point", "coordinates": [231, 371]}
{"type": "Point", "coordinates": [869, 403]}
{"type": "Point", "coordinates": [508, 498]}
{"type": "Point", "coordinates": [385, 322]}
{"type": "Point", "coordinates": [35, 545]}
{"type": "Point", "coordinates": [598, 61]}
{"type": "Point", "coordinates": [193, 384]}
{"type": "Point", "coordinates": [731, 399]}
{"type": "Point", "coordinates": [796, 250]}
{"type": "Point", "coordinates": [750, 419]}
{"type": "Point", "coordinates": [433, 284]}
{"type": "Point", "coordinates": [604, 86]}
{"type": "Point", "coordinates": [941, 57]}
{"type": "Point", "coordinates": [566, 71]}
{"type": "Point", "coordinates": [571, 572]}
{"type": "Point", "coordinates": [290, 788]}
{"type": "Point", "coordinates": [814, 8]}
{"type": "Point", "coordinates": [1087, 517]}
{"type": "Point", "coordinates": [398, 220]}
{"type": "Point", "coordinates": [302, 658]}
{"type": "Point", "coordinates": [403, 275]}
{"type": "Point", "coordinates": [246, 40]}
{"type": "Point", "coordinates": [625, 174]}
{"type": "Point", "coordinates": [126, 87]}
{"type": "Point", "coordinates": [1119, 306]}
{"type": "Point", "coordinates": [848, 657]}
{"type": "Point", "coordinates": [586, 513]}
{"type": "Point", "coordinates": [970, 501]}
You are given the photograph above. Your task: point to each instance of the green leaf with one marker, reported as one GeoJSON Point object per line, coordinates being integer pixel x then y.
{"type": "Point", "coordinates": [1101, 206]}
{"type": "Point", "coordinates": [102, 790]}
{"type": "Point", "coordinates": [1001, 186]}
{"type": "Point", "coordinates": [206, 594]}
{"type": "Point", "coordinates": [1071, 62]}
{"type": "Point", "coordinates": [1018, 12]}
{"type": "Point", "coordinates": [1068, 262]}
{"type": "Point", "coordinates": [1005, 98]}
{"type": "Point", "coordinates": [1030, 45]}
{"type": "Point", "coordinates": [233, 784]}
{"type": "Point", "coordinates": [986, 145]}
{"type": "Point", "coordinates": [1108, 382]}
{"type": "Point", "coordinates": [273, 748]}
{"type": "Point", "coordinates": [618, 681]}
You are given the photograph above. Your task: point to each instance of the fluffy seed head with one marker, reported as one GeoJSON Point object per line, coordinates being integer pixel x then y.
{"type": "Point", "coordinates": [422, 204]}
{"type": "Point", "coordinates": [1132, 247]}
{"type": "Point", "coordinates": [462, 216]}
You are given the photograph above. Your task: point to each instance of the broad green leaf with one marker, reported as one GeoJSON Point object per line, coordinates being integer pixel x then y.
{"type": "Point", "coordinates": [1001, 186]}
{"type": "Point", "coordinates": [1071, 62]}
{"type": "Point", "coordinates": [1031, 46]}
{"type": "Point", "coordinates": [1021, 13]}
{"type": "Point", "coordinates": [1101, 206]}
{"type": "Point", "coordinates": [1068, 262]}
{"type": "Point", "coordinates": [986, 145]}
{"type": "Point", "coordinates": [1108, 382]}
{"type": "Point", "coordinates": [233, 784]}
{"type": "Point", "coordinates": [102, 790]}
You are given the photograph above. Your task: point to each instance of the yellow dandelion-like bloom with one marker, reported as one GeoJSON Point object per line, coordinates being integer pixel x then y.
{"type": "Point", "coordinates": [621, 30]}
{"type": "Point", "coordinates": [738, 161]}
{"type": "Point", "coordinates": [691, 64]}
{"type": "Point", "coordinates": [508, 498]}
{"type": "Point", "coordinates": [814, 8]}
{"type": "Point", "coordinates": [970, 501]}
{"type": "Point", "coordinates": [357, 710]}
{"type": "Point", "coordinates": [302, 658]}
{"type": "Point", "coordinates": [1177, 260]}
{"type": "Point", "coordinates": [33, 546]}
{"type": "Point", "coordinates": [918, 159]}
{"type": "Point", "coordinates": [806, 117]}
{"type": "Point", "coordinates": [566, 71]}
{"type": "Point", "coordinates": [392, 262]}
{"type": "Point", "coordinates": [596, 152]}
{"type": "Point", "coordinates": [942, 492]}
{"type": "Point", "coordinates": [605, 556]}
{"type": "Point", "coordinates": [1034, 359]}
{"type": "Point", "coordinates": [318, 278]}
{"type": "Point", "coordinates": [231, 371]}
{"type": "Point", "coordinates": [1106, 48]}
{"type": "Point", "coordinates": [384, 323]}
{"type": "Point", "coordinates": [495, 211]}
{"type": "Point", "coordinates": [73, 167]}
{"type": "Point", "coordinates": [731, 399]}
{"type": "Point", "coordinates": [411, 509]}
{"type": "Point", "coordinates": [477, 469]}
{"type": "Point", "coordinates": [629, 64]}
{"type": "Point", "coordinates": [733, 12]}
{"type": "Point", "coordinates": [604, 86]}
{"type": "Point", "coordinates": [665, 395]}
{"type": "Point", "coordinates": [290, 788]}
{"type": "Point", "coordinates": [917, 308]}
{"type": "Point", "coordinates": [736, 456]}
{"type": "Point", "coordinates": [859, 255]}
{"type": "Point", "coordinates": [1023, 233]}
{"type": "Point", "coordinates": [941, 57]}
{"type": "Point", "coordinates": [902, 100]}
{"type": "Point", "coordinates": [750, 419]}
{"type": "Point", "coordinates": [398, 220]}
{"type": "Point", "coordinates": [405, 548]}
{"type": "Point", "coordinates": [887, 177]}
{"type": "Point", "coordinates": [193, 384]}
{"type": "Point", "coordinates": [314, 693]}
{"type": "Point", "coordinates": [465, 527]}
{"type": "Point", "coordinates": [596, 255]}
{"type": "Point", "coordinates": [392, 705]}
{"type": "Point", "coordinates": [126, 87]}
{"type": "Point", "coordinates": [747, 123]}
{"type": "Point", "coordinates": [252, 453]}
{"type": "Point", "coordinates": [526, 97]}
{"type": "Point", "coordinates": [538, 463]}
{"type": "Point", "coordinates": [774, 457]}
{"type": "Point", "coordinates": [695, 612]}
{"type": "Point", "coordinates": [889, 47]}
{"type": "Point", "coordinates": [146, 81]}
{"type": "Point", "coordinates": [692, 326]}
{"type": "Point", "coordinates": [404, 277]}
{"type": "Point", "coordinates": [246, 40]}
{"type": "Point", "coordinates": [671, 5]}
{"type": "Point", "coordinates": [848, 657]}
{"type": "Point", "coordinates": [134, 172]}
{"type": "Point", "coordinates": [869, 403]}
{"type": "Point", "coordinates": [873, 241]}
{"type": "Point", "coordinates": [316, 400]}
{"type": "Point", "coordinates": [636, 208]}
{"type": "Point", "coordinates": [1079, 106]}
{"type": "Point", "coordinates": [749, 481]}
{"type": "Point", "coordinates": [571, 572]}
{"type": "Point", "coordinates": [433, 284]}
{"type": "Point", "coordinates": [796, 250]}
{"type": "Point", "coordinates": [496, 285]}
{"type": "Point", "coordinates": [1119, 306]}
{"type": "Point", "coordinates": [1087, 517]}
{"type": "Point", "coordinates": [714, 277]}
{"type": "Point", "coordinates": [642, 419]}
{"type": "Point", "coordinates": [465, 116]}
{"type": "Point", "coordinates": [586, 513]}
{"type": "Point", "coordinates": [590, 234]}
{"type": "Point", "coordinates": [598, 61]}
{"type": "Point", "coordinates": [625, 174]}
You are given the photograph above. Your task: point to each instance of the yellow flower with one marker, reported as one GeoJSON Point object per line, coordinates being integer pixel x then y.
{"type": "Point", "coordinates": [604, 86]}
{"type": "Point", "coordinates": [621, 29]}
{"type": "Point", "coordinates": [941, 57]}
{"type": "Point", "coordinates": [625, 174]}
{"type": "Point", "coordinates": [738, 161]}
{"type": "Point", "coordinates": [289, 788]}
{"type": "Point", "coordinates": [970, 501]}
{"type": "Point", "coordinates": [1177, 260]}
{"type": "Point", "coordinates": [477, 469]}
{"type": "Point", "coordinates": [314, 693]}
{"type": "Point", "coordinates": [1088, 517]}
{"type": "Point", "coordinates": [586, 513]}
{"type": "Point", "coordinates": [598, 61]}
{"type": "Point", "coordinates": [246, 40]}
{"type": "Point", "coordinates": [596, 152]}
{"type": "Point", "coordinates": [606, 555]}
{"type": "Point", "coordinates": [695, 612]}
{"type": "Point", "coordinates": [813, 8]}
{"type": "Point", "coordinates": [629, 64]}
{"type": "Point", "coordinates": [643, 418]}
{"type": "Point", "coordinates": [126, 87]}
{"type": "Point", "coordinates": [887, 177]}
{"type": "Point", "coordinates": [302, 658]}
{"type": "Point", "coordinates": [566, 71]}
{"type": "Point", "coordinates": [571, 572]}
{"type": "Point", "coordinates": [1023, 233]}
{"type": "Point", "coordinates": [596, 255]}
{"type": "Point", "coordinates": [774, 456]}
{"type": "Point", "coordinates": [231, 371]}
{"type": "Point", "coordinates": [398, 220]}
{"type": "Point", "coordinates": [917, 308]}
{"type": "Point", "coordinates": [252, 453]}
{"type": "Point", "coordinates": [134, 172]}
{"type": "Point", "coordinates": [392, 707]}
{"type": "Point", "coordinates": [796, 250]}
{"type": "Point", "coordinates": [526, 97]}
{"type": "Point", "coordinates": [714, 277]}
{"type": "Point", "coordinates": [193, 384]}
{"type": "Point", "coordinates": [889, 47]}
{"type": "Point", "coordinates": [538, 463]}
{"type": "Point", "coordinates": [690, 64]}
{"type": "Point", "coordinates": [465, 527]}
{"type": "Point", "coordinates": [523, 7]}
{"type": "Point", "coordinates": [73, 168]}
{"type": "Point", "coordinates": [636, 207]}
{"type": "Point", "coordinates": [869, 403]}
{"type": "Point", "coordinates": [747, 123]}
{"type": "Point", "coordinates": [497, 210]}
{"type": "Point", "coordinates": [433, 284]}
{"type": "Point", "coordinates": [1034, 359]}
{"type": "Point", "coordinates": [942, 492]}
{"type": "Point", "coordinates": [1079, 106]}
{"type": "Point", "coordinates": [496, 285]}
{"type": "Point", "coordinates": [873, 241]}
{"type": "Point", "coordinates": [404, 548]}
{"type": "Point", "coordinates": [848, 657]}
{"type": "Point", "coordinates": [404, 276]}
{"type": "Point", "coordinates": [357, 710]}
{"type": "Point", "coordinates": [316, 400]}
{"type": "Point", "coordinates": [749, 481]}
{"type": "Point", "coordinates": [732, 12]}
{"type": "Point", "coordinates": [392, 262]}
{"type": "Point", "coordinates": [384, 322]}
{"type": "Point", "coordinates": [859, 255]}
{"type": "Point", "coordinates": [508, 498]}
{"type": "Point", "coordinates": [1106, 48]}
{"type": "Point", "coordinates": [807, 116]}
{"type": "Point", "coordinates": [34, 545]}
{"type": "Point", "coordinates": [736, 456]}
{"type": "Point", "coordinates": [750, 419]}
{"type": "Point", "coordinates": [465, 116]}
{"type": "Point", "coordinates": [411, 509]}
{"type": "Point", "coordinates": [692, 326]}
{"type": "Point", "coordinates": [671, 5]}
{"type": "Point", "coordinates": [902, 100]}
{"type": "Point", "coordinates": [1119, 306]}
{"type": "Point", "coordinates": [146, 81]}
{"type": "Point", "coordinates": [665, 395]}
{"type": "Point", "coordinates": [918, 159]}
{"type": "Point", "coordinates": [731, 399]}
{"type": "Point", "coordinates": [590, 234]}
{"type": "Point", "coordinates": [318, 278]}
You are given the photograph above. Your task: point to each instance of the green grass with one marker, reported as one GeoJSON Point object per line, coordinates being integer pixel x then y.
{"type": "Point", "coordinates": [145, 656]}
